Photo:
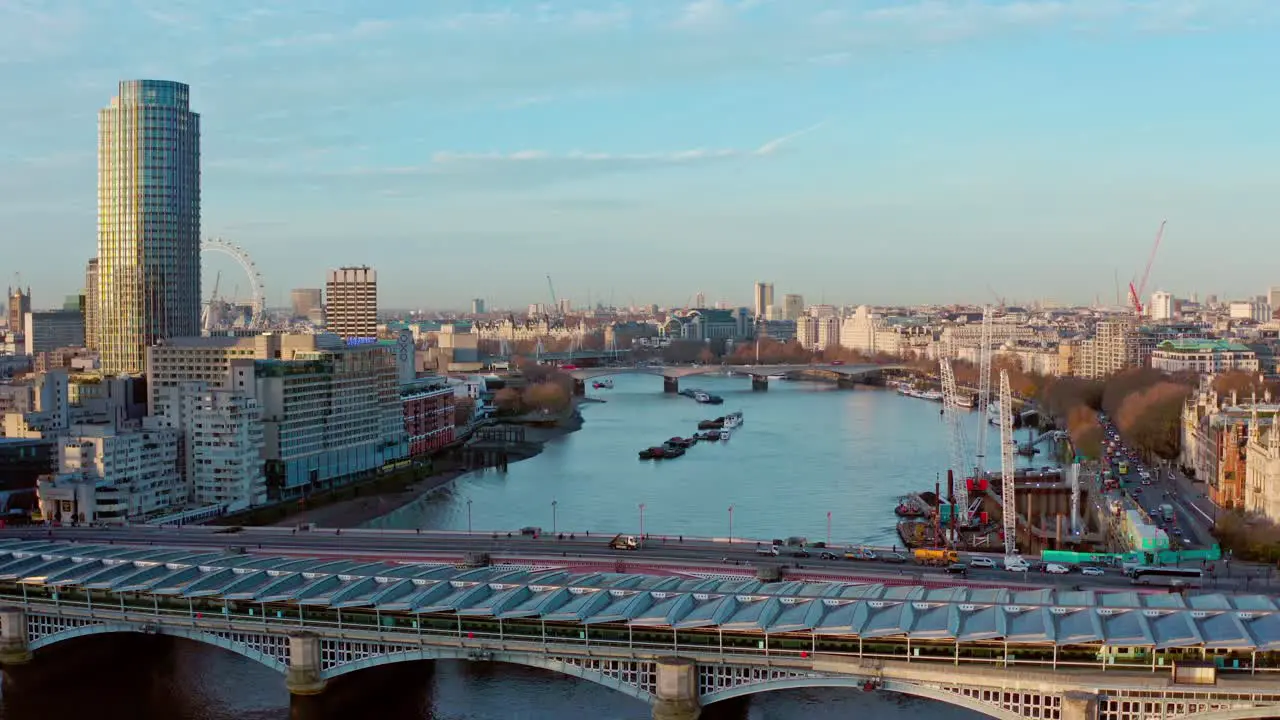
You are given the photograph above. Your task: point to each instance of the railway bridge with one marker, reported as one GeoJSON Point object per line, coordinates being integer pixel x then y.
{"type": "Point", "coordinates": [759, 374]}
{"type": "Point", "coordinates": [678, 643]}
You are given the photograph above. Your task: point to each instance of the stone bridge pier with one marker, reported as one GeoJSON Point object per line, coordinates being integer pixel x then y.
{"type": "Point", "coordinates": [759, 383]}
{"type": "Point", "coordinates": [13, 637]}
{"type": "Point", "coordinates": [303, 676]}
{"type": "Point", "coordinates": [579, 387]}
{"type": "Point", "coordinates": [670, 384]}
{"type": "Point", "coordinates": [676, 690]}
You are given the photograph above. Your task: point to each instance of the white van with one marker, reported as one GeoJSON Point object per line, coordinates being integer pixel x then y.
{"type": "Point", "coordinates": [982, 562]}
{"type": "Point", "coordinates": [1013, 563]}
{"type": "Point", "coordinates": [1056, 569]}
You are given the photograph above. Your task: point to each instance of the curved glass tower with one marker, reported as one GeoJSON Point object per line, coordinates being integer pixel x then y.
{"type": "Point", "coordinates": [148, 222]}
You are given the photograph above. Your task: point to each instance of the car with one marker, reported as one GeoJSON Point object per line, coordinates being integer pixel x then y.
{"type": "Point", "coordinates": [828, 555]}
{"type": "Point", "coordinates": [982, 562]}
{"type": "Point", "coordinates": [893, 557]}
{"type": "Point", "coordinates": [1092, 571]}
{"type": "Point", "coordinates": [957, 569]}
{"type": "Point", "coordinates": [1056, 569]}
{"type": "Point", "coordinates": [800, 553]}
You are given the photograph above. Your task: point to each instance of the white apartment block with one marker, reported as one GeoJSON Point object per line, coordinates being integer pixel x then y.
{"type": "Point", "coordinates": [114, 475]}
{"type": "Point", "coordinates": [807, 332]}
{"type": "Point", "coordinates": [1163, 306]}
{"type": "Point", "coordinates": [1258, 310]}
{"type": "Point", "coordinates": [1203, 356]}
{"type": "Point", "coordinates": [224, 442]}
{"type": "Point", "coordinates": [818, 333]}
{"type": "Point", "coordinates": [351, 302]}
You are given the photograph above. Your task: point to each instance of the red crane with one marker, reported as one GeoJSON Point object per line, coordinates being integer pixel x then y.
{"type": "Point", "coordinates": [1135, 293]}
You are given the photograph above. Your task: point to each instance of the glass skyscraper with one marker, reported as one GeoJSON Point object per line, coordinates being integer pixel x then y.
{"type": "Point", "coordinates": [148, 272]}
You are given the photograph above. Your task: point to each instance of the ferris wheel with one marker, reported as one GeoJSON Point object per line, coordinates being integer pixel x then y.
{"type": "Point", "coordinates": [210, 317]}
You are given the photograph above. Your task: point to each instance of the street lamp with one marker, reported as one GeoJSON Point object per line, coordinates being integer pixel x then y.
{"type": "Point", "coordinates": [730, 524]}
{"type": "Point", "coordinates": [553, 517]}
{"type": "Point", "coordinates": [468, 516]}
{"type": "Point", "coordinates": [828, 528]}
{"type": "Point", "coordinates": [641, 522]}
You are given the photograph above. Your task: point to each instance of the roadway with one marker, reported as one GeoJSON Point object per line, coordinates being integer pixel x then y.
{"type": "Point", "coordinates": [669, 554]}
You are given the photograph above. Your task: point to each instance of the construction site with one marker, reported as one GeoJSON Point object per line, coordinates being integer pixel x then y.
{"type": "Point", "coordinates": [997, 508]}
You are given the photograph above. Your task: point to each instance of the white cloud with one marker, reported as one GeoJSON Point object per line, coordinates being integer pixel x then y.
{"type": "Point", "coordinates": [703, 14]}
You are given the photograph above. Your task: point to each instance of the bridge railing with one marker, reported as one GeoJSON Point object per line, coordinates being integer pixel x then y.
{"type": "Point", "coordinates": [470, 633]}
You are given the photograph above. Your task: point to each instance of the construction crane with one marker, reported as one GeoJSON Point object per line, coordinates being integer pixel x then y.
{"type": "Point", "coordinates": [555, 304]}
{"type": "Point", "coordinates": [999, 298]}
{"type": "Point", "coordinates": [954, 416]}
{"type": "Point", "coordinates": [984, 388]}
{"type": "Point", "coordinates": [1135, 293]}
{"type": "Point", "coordinates": [1007, 445]}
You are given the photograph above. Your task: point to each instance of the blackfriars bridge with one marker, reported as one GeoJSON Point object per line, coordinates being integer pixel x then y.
{"type": "Point", "coordinates": [678, 642]}
{"type": "Point", "coordinates": [759, 374]}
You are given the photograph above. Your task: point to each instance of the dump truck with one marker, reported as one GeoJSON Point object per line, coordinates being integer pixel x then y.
{"type": "Point", "coordinates": [624, 542]}
{"type": "Point", "coordinates": [932, 556]}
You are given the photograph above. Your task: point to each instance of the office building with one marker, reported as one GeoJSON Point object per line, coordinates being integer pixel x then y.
{"type": "Point", "coordinates": [148, 273]}
{"type": "Point", "coordinates": [48, 330]}
{"type": "Point", "coordinates": [351, 302]}
{"type": "Point", "coordinates": [477, 306]}
{"type": "Point", "coordinates": [763, 300]}
{"type": "Point", "coordinates": [699, 300]}
{"type": "Point", "coordinates": [792, 306]}
{"type": "Point", "coordinates": [19, 306]}
{"type": "Point", "coordinates": [1162, 306]}
{"type": "Point", "coordinates": [1203, 356]}
{"type": "Point", "coordinates": [307, 303]}
{"type": "Point", "coordinates": [428, 405]}
{"type": "Point", "coordinates": [91, 304]}
{"type": "Point", "coordinates": [223, 436]}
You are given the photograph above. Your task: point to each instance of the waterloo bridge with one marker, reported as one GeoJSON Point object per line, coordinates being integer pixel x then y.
{"type": "Point", "coordinates": [845, 375]}
{"type": "Point", "coordinates": [678, 642]}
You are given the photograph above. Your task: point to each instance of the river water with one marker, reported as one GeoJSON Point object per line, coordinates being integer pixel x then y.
{"type": "Point", "coordinates": [805, 449]}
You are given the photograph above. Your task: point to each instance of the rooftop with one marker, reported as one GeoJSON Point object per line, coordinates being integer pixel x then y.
{"type": "Point", "coordinates": [1201, 345]}
{"type": "Point", "coordinates": [687, 601]}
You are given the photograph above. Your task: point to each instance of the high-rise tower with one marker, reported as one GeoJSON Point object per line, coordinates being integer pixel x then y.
{"type": "Point", "coordinates": [763, 299]}
{"type": "Point", "coordinates": [19, 306]}
{"type": "Point", "coordinates": [91, 304]}
{"type": "Point", "coordinates": [148, 222]}
{"type": "Point", "coordinates": [351, 302]}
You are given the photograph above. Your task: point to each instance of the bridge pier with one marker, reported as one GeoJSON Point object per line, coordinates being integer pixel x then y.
{"type": "Point", "coordinates": [670, 384]}
{"type": "Point", "coordinates": [13, 637]}
{"type": "Point", "coordinates": [579, 387]}
{"type": "Point", "coordinates": [677, 690]}
{"type": "Point", "coordinates": [844, 382]}
{"type": "Point", "coordinates": [759, 383]}
{"type": "Point", "coordinates": [303, 677]}
{"type": "Point", "coordinates": [1079, 706]}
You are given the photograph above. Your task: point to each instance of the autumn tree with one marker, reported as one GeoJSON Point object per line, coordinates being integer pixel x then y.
{"type": "Point", "coordinates": [1150, 418]}
{"type": "Point", "coordinates": [706, 356]}
{"type": "Point", "coordinates": [547, 397]}
{"type": "Point", "coordinates": [509, 401]}
{"type": "Point", "coordinates": [1085, 431]}
{"type": "Point", "coordinates": [1244, 385]}
{"type": "Point", "coordinates": [683, 352]}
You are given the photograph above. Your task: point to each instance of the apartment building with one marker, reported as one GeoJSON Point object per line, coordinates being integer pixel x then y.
{"type": "Point", "coordinates": [224, 441]}
{"type": "Point", "coordinates": [113, 475]}
{"type": "Point", "coordinates": [1203, 356]}
{"type": "Point", "coordinates": [329, 416]}
{"type": "Point", "coordinates": [428, 406]}
{"type": "Point", "coordinates": [351, 302]}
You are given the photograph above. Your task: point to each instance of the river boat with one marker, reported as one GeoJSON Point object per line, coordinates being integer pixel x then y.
{"type": "Point", "coordinates": [968, 402]}
{"type": "Point", "coordinates": [775, 377]}
{"type": "Point", "coordinates": [733, 420]}
{"type": "Point", "coordinates": [725, 434]}
{"type": "Point", "coordinates": [669, 453]}
{"type": "Point", "coordinates": [653, 453]}
{"type": "Point", "coordinates": [712, 400]}
{"type": "Point", "coordinates": [908, 510]}
{"type": "Point", "coordinates": [680, 442]}
{"type": "Point", "coordinates": [909, 391]}
{"type": "Point", "coordinates": [711, 424]}
{"type": "Point", "coordinates": [602, 385]}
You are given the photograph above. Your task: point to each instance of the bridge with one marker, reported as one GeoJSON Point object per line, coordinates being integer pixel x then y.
{"type": "Point", "coordinates": [678, 642]}
{"type": "Point", "coordinates": [671, 374]}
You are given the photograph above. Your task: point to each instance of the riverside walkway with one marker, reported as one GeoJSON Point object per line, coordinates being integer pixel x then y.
{"type": "Point", "coordinates": [678, 641]}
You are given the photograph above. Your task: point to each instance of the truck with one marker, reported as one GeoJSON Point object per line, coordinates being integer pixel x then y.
{"type": "Point", "coordinates": [770, 550]}
{"type": "Point", "coordinates": [1166, 512]}
{"type": "Point", "coordinates": [624, 542]}
{"type": "Point", "coordinates": [1014, 563]}
{"type": "Point", "coordinates": [935, 556]}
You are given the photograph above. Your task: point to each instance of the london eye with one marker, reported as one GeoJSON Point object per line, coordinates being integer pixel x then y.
{"type": "Point", "coordinates": [216, 312]}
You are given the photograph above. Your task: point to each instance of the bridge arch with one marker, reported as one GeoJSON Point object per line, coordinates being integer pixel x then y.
{"type": "Point", "coordinates": [904, 688]}
{"type": "Point", "coordinates": [599, 677]}
{"type": "Point", "coordinates": [273, 654]}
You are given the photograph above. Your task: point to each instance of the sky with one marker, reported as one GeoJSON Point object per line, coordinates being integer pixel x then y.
{"type": "Point", "coordinates": [853, 151]}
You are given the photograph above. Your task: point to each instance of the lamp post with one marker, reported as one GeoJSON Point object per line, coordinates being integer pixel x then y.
{"type": "Point", "coordinates": [642, 522]}
{"type": "Point", "coordinates": [553, 517]}
{"type": "Point", "coordinates": [828, 528]}
{"type": "Point", "coordinates": [468, 516]}
{"type": "Point", "coordinates": [730, 524]}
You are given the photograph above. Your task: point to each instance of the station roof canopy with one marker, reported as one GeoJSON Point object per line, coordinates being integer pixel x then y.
{"type": "Point", "coordinates": [672, 602]}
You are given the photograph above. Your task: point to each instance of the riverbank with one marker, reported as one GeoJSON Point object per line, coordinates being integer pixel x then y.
{"type": "Point", "coordinates": [362, 509]}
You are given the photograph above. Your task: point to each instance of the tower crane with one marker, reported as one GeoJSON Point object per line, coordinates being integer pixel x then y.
{"type": "Point", "coordinates": [960, 464]}
{"type": "Point", "coordinates": [1135, 293]}
{"type": "Point", "coordinates": [1009, 504]}
{"type": "Point", "coordinates": [984, 387]}
{"type": "Point", "coordinates": [555, 304]}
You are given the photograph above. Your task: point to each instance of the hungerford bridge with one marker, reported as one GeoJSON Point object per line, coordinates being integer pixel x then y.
{"type": "Point", "coordinates": [760, 374]}
{"type": "Point", "coordinates": [678, 642]}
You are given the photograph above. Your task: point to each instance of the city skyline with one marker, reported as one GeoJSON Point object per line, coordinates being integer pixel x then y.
{"type": "Point", "coordinates": [1032, 146]}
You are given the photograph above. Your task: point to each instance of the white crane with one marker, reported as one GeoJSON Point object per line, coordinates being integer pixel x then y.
{"type": "Point", "coordinates": [984, 388]}
{"type": "Point", "coordinates": [1010, 506]}
{"type": "Point", "coordinates": [954, 415]}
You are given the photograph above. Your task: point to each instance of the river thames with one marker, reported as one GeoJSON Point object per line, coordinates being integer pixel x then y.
{"type": "Point", "coordinates": [806, 449]}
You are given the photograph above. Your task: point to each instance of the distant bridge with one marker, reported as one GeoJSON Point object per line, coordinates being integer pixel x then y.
{"type": "Point", "coordinates": [759, 373]}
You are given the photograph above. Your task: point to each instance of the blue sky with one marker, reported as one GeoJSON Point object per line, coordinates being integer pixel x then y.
{"type": "Point", "coordinates": [852, 150]}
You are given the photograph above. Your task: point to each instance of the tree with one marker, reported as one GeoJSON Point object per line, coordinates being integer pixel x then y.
{"type": "Point", "coordinates": [1244, 385]}
{"type": "Point", "coordinates": [546, 397]}
{"type": "Point", "coordinates": [508, 401]}
{"type": "Point", "coordinates": [706, 356]}
{"type": "Point", "coordinates": [1085, 431]}
{"type": "Point", "coordinates": [1150, 418]}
